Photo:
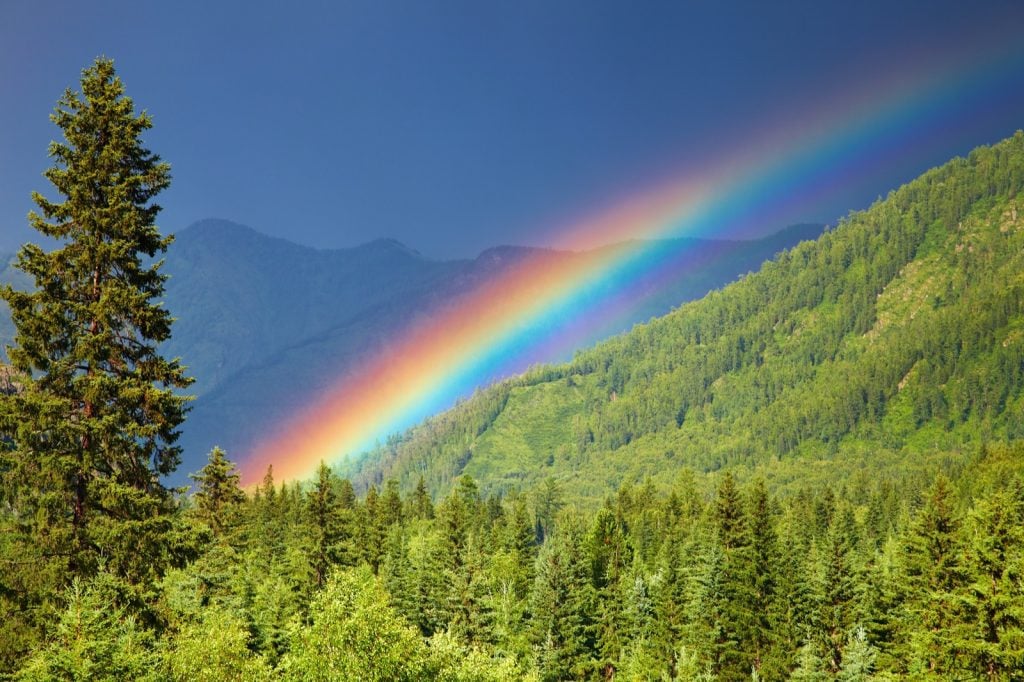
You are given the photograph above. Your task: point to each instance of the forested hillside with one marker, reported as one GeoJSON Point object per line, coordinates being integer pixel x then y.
{"type": "Point", "coordinates": [263, 324]}
{"type": "Point", "coordinates": [895, 341]}
{"type": "Point", "coordinates": [336, 311]}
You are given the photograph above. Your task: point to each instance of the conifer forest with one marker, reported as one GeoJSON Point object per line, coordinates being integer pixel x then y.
{"type": "Point", "coordinates": [814, 473]}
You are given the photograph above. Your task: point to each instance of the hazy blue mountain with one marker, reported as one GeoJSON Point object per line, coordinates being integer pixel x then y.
{"type": "Point", "coordinates": [241, 296]}
{"type": "Point", "coordinates": [264, 324]}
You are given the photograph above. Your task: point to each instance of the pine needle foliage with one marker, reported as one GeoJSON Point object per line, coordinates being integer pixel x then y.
{"type": "Point", "coordinates": [93, 429]}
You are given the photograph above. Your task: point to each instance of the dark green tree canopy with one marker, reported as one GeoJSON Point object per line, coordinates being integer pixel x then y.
{"type": "Point", "coordinates": [94, 428]}
{"type": "Point", "coordinates": [218, 492]}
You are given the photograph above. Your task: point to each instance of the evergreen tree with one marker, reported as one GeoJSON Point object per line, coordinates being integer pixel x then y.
{"type": "Point", "coordinates": [736, 651]}
{"type": "Point", "coordinates": [563, 606]}
{"type": "Point", "coordinates": [346, 495]}
{"type": "Point", "coordinates": [391, 512]}
{"type": "Point", "coordinates": [430, 566]}
{"type": "Point", "coordinates": [764, 558]}
{"type": "Point", "coordinates": [219, 495]}
{"type": "Point", "coordinates": [810, 665]}
{"type": "Point", "coordinates": [609, 557]}
{"type": "Point", "coordinates": [328, 532]}
{"type": "Point", "coordinates": [933, 572]}
{"type": "Point", "coordinates": [396, 575]}
{"type": "Point", "coordinates": [370, 529]}
{"type": "Point", "coordinates": [994, 597]}
{"type": "Point", "coordinates": [673, 595]}
{"type": "Point", "coordinates": [94, 639]}
{"type": "Point", "coordinates": [858, 659]}
{"type": "Point", "coordinates": [521, 540]}
{"type": "Point", "coordinates": [836, 580]}
{"type": "Point", "coordinates": [547, 504]}
{"type": "Point", "coordinates": [266, 530]}
{"type": "Point", "coordinates": [794, 589]}
{"type": "Point", "coordinates": [885, 594]}
{"type": "Point", "coordinates": [94, 425]}
{"type": "Point", "coordinates": [469, 607]}
{"type": "Point", "coordinates": [706, 633]}
{"type": "Point", "coordinates": [420, 506]}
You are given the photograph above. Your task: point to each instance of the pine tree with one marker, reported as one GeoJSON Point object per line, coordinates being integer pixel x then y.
{"type": "Point", "coordinates": [469, 607]}
{"type": "Point", "coordinates": [396, 575]}
{"type": "Point", "coordinates": [370, 529]}
{"type": "Point", "coordinates": [735, 650]}
{"type": "Point", "coordinates": [994, 597]}
{"type": "Point", "coordinates": [563, 606]}
{"type": "Point", "coordinates": [764, 557]}
{"type": "Point", "coordinates": [836, 581]}
{"type": "Point", "coordinates": [267, 533]}
{"type": "Point", "coordinates": [521, 540]}
{"type": "Point", "coordinates": [391, 512]}
{"type": "Point", "coordinates": [705, 621]}
{"type": "Point", "coordinates": [810, 665]}
{"type": "Point", "coordinates": [671, 602]}
{"type": "Point", "coordinates": [609, 557]}
{"type": "Point", "coordinates": [420, 506]}
{"type": "Point", "coordinates": [94, 429]}
{"type": "Point", "coordinates": [933, 571]}
{"type": "Point", "coordinates": [858, 659]}
{"type": "Point", "coordinates": [219, 495]}
{"type": "Point", "coordinates": [94, 638]}
{"type": "Point", "coordinates": [547, 503]}
{"type": "Point", "coordinates": [329, 544]}
{"type": "Point", "coordinates": [429, 581]}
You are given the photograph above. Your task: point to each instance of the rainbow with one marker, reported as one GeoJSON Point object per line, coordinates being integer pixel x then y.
{"type": "Point", "coordinates": [537, 309]}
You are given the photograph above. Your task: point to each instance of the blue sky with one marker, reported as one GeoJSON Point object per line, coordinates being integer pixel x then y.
{"type": "Point", "coordinates": [453, 126]}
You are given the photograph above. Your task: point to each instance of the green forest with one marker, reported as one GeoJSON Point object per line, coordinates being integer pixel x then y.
{"type": "Point", "coordinates": [815, 473]}
{"type": "Point", "coordinates": [893, 342]}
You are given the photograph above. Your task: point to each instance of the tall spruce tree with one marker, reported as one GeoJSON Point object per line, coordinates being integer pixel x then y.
{"type": "Point", "coordinates": [933, 564]}
{"type": "Point", "coordinates": [735, 652]}
{"type": "Point", "coordinates": [328, 533]}
{"type": "Point", "coordinates": [95, 426]}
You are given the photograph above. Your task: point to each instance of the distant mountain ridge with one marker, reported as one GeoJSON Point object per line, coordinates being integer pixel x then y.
{"type": "Point", "coordinates": [893, 341]}
{"type": "Point", "coordinates": [263, 323]}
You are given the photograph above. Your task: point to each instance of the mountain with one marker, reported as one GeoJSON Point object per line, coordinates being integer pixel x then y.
{"type": "Point", "coordinates": [240, 296]}
{"type": "Point", "coordinates": [895, 339]}
{"type": "Point", "coordinates": [353, 324]}
{"type": "Point", "coordinates": [263, 324]}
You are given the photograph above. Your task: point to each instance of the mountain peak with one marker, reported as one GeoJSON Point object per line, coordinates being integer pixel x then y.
{"type": "Point", "coordinates": [389, 245]}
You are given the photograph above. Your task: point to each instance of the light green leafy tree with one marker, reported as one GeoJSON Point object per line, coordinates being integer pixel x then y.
{"type": "Point", "coordinates": [214, 649]}
{"type": "Point", "coordinates": [355, 634]}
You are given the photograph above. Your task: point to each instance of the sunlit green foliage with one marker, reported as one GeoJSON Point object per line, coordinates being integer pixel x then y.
{"type": "Point", "coordinates": [894, 339]}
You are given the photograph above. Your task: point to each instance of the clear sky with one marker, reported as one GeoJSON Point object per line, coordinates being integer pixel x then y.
{"type": "Point", "coordinates": [453, 126]}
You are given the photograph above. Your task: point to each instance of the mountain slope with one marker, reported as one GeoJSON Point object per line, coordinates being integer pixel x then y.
{"type": "Point", "coordinates": [899, 334]}
{"type": "Point", "coordinates": [234, 412]}
{"type": "Point", "coordinates": [263, 324]}
{"type": "Point", "coordinates": [240, 296]}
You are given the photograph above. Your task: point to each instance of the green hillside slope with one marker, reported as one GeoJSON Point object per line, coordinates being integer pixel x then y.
{"type": "Point", "coordinates": [263, 324]}
{"type": "Point", "coordinates": [895, 339]}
